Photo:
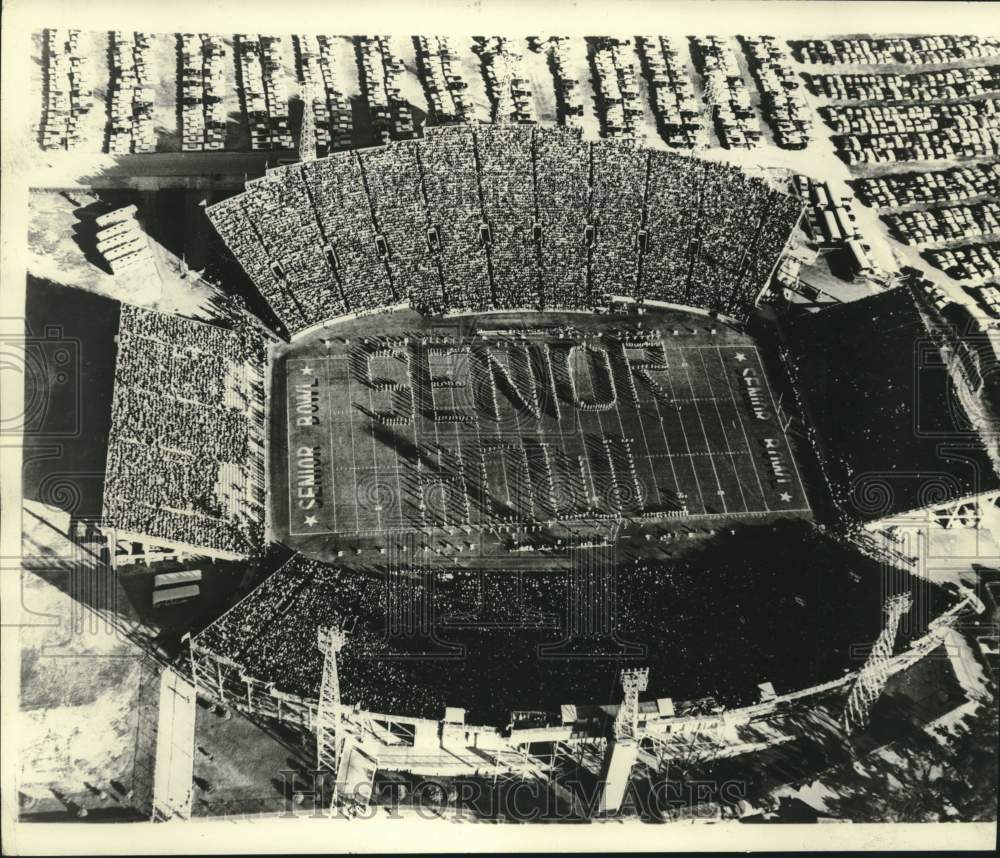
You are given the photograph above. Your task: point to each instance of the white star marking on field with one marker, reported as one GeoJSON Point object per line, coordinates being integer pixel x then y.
{"type": "Point", "coordinates": [740, 357]}
{"type": "Point", "coordinates": [307, 370]}
{"type": "Point", "coordinates": [311, 520]}
{"type": "Point", "coordinates": [786, 497]}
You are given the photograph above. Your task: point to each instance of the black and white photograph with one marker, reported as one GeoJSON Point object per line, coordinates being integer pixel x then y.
{"type": "Point", "coordinates": [481, 426]}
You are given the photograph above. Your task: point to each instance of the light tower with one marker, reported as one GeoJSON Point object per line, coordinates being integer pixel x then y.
{"type": "Point", "coordinates": [623, 748]}
{"type": "Point", "coordinates": [505, 97]}
{"type": "Point", "coordinates": [307, 134]}
{"type": "Point", "coordinates": [634, 680]}
{"type": "Point", "coordinates": [328, 738]}
{"type": "Point", "coordinates": [873, 676]}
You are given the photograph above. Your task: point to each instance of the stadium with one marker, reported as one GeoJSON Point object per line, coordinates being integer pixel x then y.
{"type": "Point", "coordinates": [505, 426]}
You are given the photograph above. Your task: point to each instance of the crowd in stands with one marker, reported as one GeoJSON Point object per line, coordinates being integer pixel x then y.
{"type": "Point", "coordinates": [130, 95]}
{"type": "Point", "coordinates": [337, 192]}
{"type": "Point", "coordinates": [507, 83]}
{"type": "Point", "coordinates": [617, 86]}
{"type": "Point", "coordinates": [454, 211]}
{"type": "Point", "coordinates": [861, 422]}
{"type": "Point", "coordinates": [506, 179]}
{"type": "Point", "coordinates": [781, 97]}
{"type": "Point", "coordinates": [942, 186]}
{"type": "Point", "coordinates": [972, 262]}
{"type": "Point", "coordinates": [186, 444]}
{"type": "Point", "coordinates": [917, 86]}
{"type": "Point", "coordinates": [726, 93]}
{"type": "Point", "coordinates": [504, 217]}
{"type": "Point", "coordinates": [394, 181]}
{"type": "Point", "coordinates": [617, 199]}
{"type": "Point", "coordinates": [677, 110]}
{"type": "Point", "coordinates": [570, 108]}
{"type": "Point", "coordinates": [916, 50]}
{"type": "Point", "coordinates": [67, 89]}
{"type": "Point", "coordinates": [381, 72]}
{"type": "Point", "coordinates": [945, 224]}
{"type": "Point", "coordinates": [562, 175]}
{"type": "Point", "coordinates": [717, 620]}
{"type": "Point", "coordinates": [203, 114]}
{"type": "Point", "coordinates": [444, 85]}
{"type": "Point", "coordinates": [264, 92]}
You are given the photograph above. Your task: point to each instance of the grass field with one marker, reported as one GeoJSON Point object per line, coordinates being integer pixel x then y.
{"type": "Point", "coordinates": [407, 424]}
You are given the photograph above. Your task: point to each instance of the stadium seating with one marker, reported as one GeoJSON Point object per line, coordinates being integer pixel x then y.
{"type": "Point", "coordinates": [669, 616]}
{"type": "Point", "coordinates": [504, 217]}
{"type": "Point", "coordinates": [186, 446]}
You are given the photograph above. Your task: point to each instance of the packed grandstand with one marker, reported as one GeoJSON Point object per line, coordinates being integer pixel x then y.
{"type": "Point", "coordinates": [504, 217]}
{"type": "Point", "coordinates": [481, 650]}
{"type": "Point", "coordinates": [186, 446]}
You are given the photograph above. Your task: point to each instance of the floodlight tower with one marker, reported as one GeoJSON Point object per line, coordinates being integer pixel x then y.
{"type": "Point", "coordinates": [623, 748]}
{"type": "Point", "coordinates": [307, 136]}
{"type": "Point", "coordinates": [328, 720]}
{"type": "Point", "coordinates": [505, 97]}
{"type": "Point", "coordinates": [873, 676]}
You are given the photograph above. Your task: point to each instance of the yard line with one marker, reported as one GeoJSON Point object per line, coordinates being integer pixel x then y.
{"type": "Point", "coordinates": [666, 444]}
{"type": "Point", "coordinates": [375, 496]}
{"type": "Point", "coordinates": [605, 446]}
{"type": "Point", "coordinates": [486, 500]}
{"type": "Point", "coordinates": [395, 451]}
{"type": "Point", "coordinates": [680, 423]}
{"type": "Point", "coordinates": [725, 436]}
{"type": "Point", "coordinates": [458, 440]}
{"type": "Point", "coordinates": [554, 389]}
{"type": "Point", "coordinates": [642, 428]}
{"type": "Point", "coordinates": [354, 459]}
{"type": "Point", "coordinates": [711, 459]}
{"type": "Point", "coordinates": [739, 416]}
{"type": "Point", "coordinates": [586, 461]}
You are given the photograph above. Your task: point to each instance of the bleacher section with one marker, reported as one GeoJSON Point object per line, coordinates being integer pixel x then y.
{"type": "Point", "coordinates": [186, 447]}
{"type": "Point", "coordinates": [891, 428]}
{"type": "Point", "coordinates": [479, 646]}
{"type": "Point", "coordinates": [504, 217]}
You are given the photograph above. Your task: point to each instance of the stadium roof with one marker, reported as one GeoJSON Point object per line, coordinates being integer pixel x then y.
{"type": "Point", "coordinates": [894, 434]}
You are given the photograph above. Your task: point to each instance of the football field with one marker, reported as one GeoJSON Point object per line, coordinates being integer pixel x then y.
{"type": "Point", "coordinates": [493, 430]}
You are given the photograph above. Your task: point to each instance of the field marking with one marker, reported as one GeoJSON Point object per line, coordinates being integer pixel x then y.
{"type": "Point", "coordinates": [784, 434]}
{"type": "Point", "coordinates": [452, 367]}
{"type": "Point", "coordinates": [371, 409]}
{"type": "Point", "coordinates": [725, 436]}
{"type": "Point", "coordinates": [680, 422]}
{"type": "Point", "coordinates": [354, 455]}
{"type": "Point", "coordinates": [642, 426]}
{"type": "Point", "coordinates": [395, 450]}
{"type": "Point", "coordinates": [666, 444]}
{"type": "Point", "coordinates": [721, 492]}
{"type": "Point", "coordinates": [746, 437]}
{"type": "Point", "coordinates": [337, 526]}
